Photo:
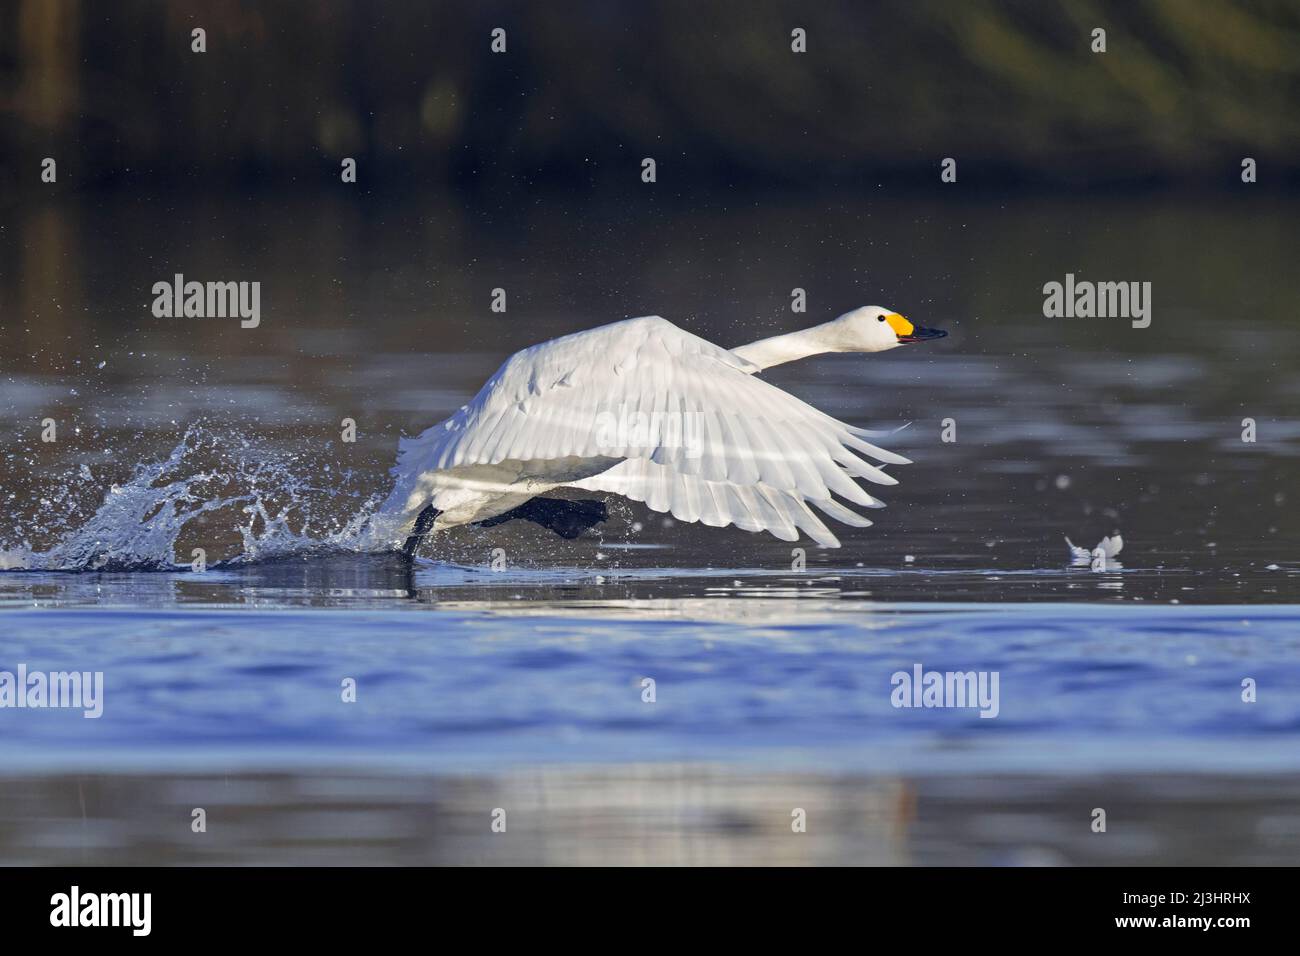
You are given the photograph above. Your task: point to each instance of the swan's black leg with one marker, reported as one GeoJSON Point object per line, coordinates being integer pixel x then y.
{"type": "Point", "coordinates": [568, 519]}
{"type": "Point", "coordinates": [423, 522]}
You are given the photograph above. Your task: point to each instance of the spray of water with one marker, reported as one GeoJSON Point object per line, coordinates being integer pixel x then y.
{"type": "Point", "coordinates": [238, 499]}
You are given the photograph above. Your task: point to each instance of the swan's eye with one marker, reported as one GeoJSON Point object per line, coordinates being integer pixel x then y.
{"type": "Point", "coordinates": [880, 318]}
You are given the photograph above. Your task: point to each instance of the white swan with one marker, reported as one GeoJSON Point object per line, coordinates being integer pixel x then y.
{"type": "Point", "coordinates": [651, 412]}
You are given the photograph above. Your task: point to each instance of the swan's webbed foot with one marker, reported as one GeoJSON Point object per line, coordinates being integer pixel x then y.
{"type": "Point", "coordinates": [568, 519]}
{"type": "Point", "coordinates": [423, 522]}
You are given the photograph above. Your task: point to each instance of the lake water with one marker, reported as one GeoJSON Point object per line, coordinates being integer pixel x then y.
{"type": "Point", "coordinates": [522, 688]}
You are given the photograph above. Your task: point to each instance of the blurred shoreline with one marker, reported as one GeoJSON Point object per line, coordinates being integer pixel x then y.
{"type": "Point", "coordinates": [281, 93]}
{"type": "Point", "coordinates": [646, 814]}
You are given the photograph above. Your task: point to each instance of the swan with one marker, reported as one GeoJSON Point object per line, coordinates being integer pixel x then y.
{"type": "Point", "coordinates": [647, 410]}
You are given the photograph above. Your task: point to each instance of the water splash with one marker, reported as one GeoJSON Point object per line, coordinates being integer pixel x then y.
{"type": "Point", "coordinates": [239, 499]}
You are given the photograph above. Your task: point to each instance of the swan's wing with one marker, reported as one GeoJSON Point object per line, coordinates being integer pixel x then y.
{"type": "Point", "coordinates": [644, 388]}
{"type": "Point", "coordinates": [701, 436]}
{"type": "Point", "coordinates": [1111, 546]}
{"type": "Point", "coordinates": [689, 498]}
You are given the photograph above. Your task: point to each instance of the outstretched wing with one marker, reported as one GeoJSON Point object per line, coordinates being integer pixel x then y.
{"type": "Point", "coordinates": [755, 507]}
{"type": "Point", "coordinates": [691, 419]}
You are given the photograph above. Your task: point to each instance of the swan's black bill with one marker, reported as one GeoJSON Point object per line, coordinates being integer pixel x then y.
{"type": "Point", "coordinates": [919, 334]}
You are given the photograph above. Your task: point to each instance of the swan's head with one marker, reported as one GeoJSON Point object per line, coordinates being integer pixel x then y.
{"type": "Point", "coordinates": [874, 328]}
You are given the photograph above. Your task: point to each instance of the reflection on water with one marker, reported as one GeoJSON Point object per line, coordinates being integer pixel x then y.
{"type": "Point", "coordinates": [659, 815]}
{"type": "Point", "coordinates": [614, 577]}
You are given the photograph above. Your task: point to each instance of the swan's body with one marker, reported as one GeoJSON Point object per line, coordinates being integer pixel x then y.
{"type": "Point", "coordinates": [647, 410]}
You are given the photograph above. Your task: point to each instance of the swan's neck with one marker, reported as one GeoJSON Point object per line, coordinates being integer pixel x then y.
{"type": "Point", "coordinates": [789, 347]}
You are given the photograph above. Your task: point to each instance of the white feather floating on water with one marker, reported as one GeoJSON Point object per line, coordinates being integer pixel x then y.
{"type": "Point", "coordinates": [1105, 551]}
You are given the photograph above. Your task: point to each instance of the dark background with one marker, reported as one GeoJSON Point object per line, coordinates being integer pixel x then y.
{"type": "Point", "coordinates": [588, 88]}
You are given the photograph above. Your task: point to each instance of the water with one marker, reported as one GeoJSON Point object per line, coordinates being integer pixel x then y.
{"type": "Point", "coordinates": [517, 677]}
{"type": "Point", "coordinates": [522, 687]}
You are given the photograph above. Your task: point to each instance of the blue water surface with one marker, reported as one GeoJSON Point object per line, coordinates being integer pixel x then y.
{"type": "Point", "coordinates": [780, 682]}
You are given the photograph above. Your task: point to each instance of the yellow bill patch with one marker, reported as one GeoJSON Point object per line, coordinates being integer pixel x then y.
{"type": "Point", "coordinates": [899, 324]}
